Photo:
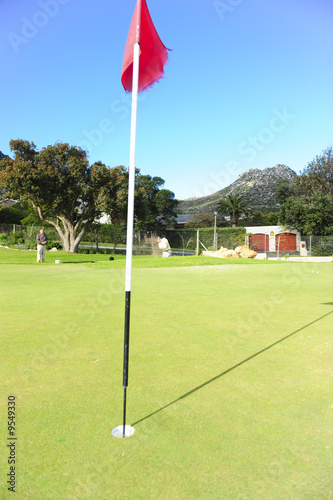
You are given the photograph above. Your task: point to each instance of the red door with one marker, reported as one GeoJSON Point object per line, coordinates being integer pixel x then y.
{"type": "Point", "coordinates": [257, 242]}
{"type": "Point", "coordinates": [285, 242]}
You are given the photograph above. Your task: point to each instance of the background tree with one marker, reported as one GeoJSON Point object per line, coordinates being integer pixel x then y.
{"type": "Point", "coordinates": [257, 218]}
{"type": "Point", "coordinates": [166, 207]}
{"type": "Point", "coordinates": [2, 191]}
{"type": "Point", "coordinates": [284, 189]}
{"type": "Point", "coordinates": [112, 188]}
{"type": "Point", "coordinates": [13, 214]}
{"type": "Point", "coordinates": [310, 216]}
{"type": "Point", "coordinates": [235, 206]}
{"type": "Point", "coordinates": [317, 177]}
{"type": "Point", "coordinates": [206, 219]}
{"type": "Point", "coordinates": [155, 208]}
{"type": "Point", "coordinates": [58, 183]}
{"type": "Point", "coordinates": [307, 205]}
{"type": "Point", "coordinates": [70, 195]}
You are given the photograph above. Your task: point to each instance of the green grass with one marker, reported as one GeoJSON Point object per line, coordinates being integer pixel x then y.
{"type": "Point", "coordinates": [230, 381]}
{"type": "Point", "coordinates": [9, 256]}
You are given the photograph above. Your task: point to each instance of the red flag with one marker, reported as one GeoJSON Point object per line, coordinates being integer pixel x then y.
{"type": "Point", "coordinates": [153, 54]}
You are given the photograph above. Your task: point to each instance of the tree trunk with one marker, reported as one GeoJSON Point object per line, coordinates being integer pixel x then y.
{"type": "Point", "coordinates": [68, 233]}
{"type": "Point", "coordinates": [70, 237]}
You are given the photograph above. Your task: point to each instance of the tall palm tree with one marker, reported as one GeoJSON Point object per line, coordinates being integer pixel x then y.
{"type": "Point", "coordinates": [233, 205]}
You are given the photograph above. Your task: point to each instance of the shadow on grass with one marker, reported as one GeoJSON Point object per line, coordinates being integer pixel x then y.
{"type": "Point", "coordinates": [234, 367]}
{"type": "Point", "coordinates": [83, 261]}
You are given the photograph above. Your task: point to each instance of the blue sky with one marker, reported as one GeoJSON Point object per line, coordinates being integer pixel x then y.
{"type": "Point", "coordinates": [248, 85]}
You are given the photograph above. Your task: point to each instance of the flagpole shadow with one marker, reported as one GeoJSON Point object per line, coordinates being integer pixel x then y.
{"type": "Point", "coordinates": [225, 372]}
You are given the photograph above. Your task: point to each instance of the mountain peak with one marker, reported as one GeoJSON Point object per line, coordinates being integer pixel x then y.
{"type": "Point", "coordinates": [2, 156]}
{"type": "Point", "coordinates": [257, 186]}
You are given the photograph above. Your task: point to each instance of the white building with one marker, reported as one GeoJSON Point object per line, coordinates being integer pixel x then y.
{"type": "Point", "coordinates": [273, 239]}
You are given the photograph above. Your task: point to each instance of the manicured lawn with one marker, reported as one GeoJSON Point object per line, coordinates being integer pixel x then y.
{"type": "Point", "coordinates": [230, 381]}
{"type": "Point", "coordinates": [8, 256]}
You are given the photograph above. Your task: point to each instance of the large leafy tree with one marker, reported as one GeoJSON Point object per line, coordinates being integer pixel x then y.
{"type": "Point", "coordinates": [59, 183]}
{"type": "Point", "coordinates": [310, 215]}
{"type": "Point", "coordinates": [70, 195]}
{"type": "Point", "coordinates": [13, 214]}
{"type": "Point", "coordinates": [234, 205]}
{"type": "Point", "coordinates": [317, 177]}
{"type": "Point", "coordinates": [155, 207]}
{"type": "Point", "coordinates": [307, 204]}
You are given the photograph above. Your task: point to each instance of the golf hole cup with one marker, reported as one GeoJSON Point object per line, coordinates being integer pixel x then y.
{"type": "Point", "coordinates": [57, 261]}
{"type": "Point", "coordinates": [118, 432]}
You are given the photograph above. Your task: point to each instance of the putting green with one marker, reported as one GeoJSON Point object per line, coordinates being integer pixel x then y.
{"type": "Point", "coordinates": [230, 380]}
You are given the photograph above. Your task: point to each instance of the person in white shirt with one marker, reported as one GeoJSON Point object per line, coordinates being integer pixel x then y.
{"type": "Point", "coordinates": [164, 245]}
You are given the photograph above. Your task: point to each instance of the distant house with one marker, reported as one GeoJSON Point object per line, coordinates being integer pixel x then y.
{"type": "Point", "coordinates": [7, 203]}
{"type": "Point", "coordinates": [104, 219]}
{"type": "Point", "coordinates": [182, 219]}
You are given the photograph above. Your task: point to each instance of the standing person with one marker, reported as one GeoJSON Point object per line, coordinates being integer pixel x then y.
{"type": "Point", "coordinates": [41, 245]}
{"type": "Point", "coordinates": [164, 245]}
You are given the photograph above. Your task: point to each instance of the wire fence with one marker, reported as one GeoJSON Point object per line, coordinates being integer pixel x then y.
{"type": "Point", "coordinates": [24, 237]}
{"type": "Point", "coordinates": [183, 241]}
{"type": "Point", "coordinates": [113, 237]}
{"type": "Point", "coordinates": [319, 246]}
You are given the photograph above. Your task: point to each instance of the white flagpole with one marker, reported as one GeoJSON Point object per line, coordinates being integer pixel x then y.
{"type": "Point", "coordinates": [127, 430]}
{"type": "Point", "coordinates": [131, 170]}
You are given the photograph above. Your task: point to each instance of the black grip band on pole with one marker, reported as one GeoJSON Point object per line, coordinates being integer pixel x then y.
{"type": "Point", "coordinates": [126, 352]}
{"type": "Point", "coordinates": [126, 338]}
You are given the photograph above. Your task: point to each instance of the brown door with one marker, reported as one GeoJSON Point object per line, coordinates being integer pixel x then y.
{"type": "Point", "coordinates": [285, 242]}
{"type": "Point", "coordinates": [257, 242]}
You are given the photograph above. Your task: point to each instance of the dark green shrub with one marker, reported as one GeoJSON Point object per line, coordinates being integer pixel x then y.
{"type": "Point", "coordinates": [17, 238]}
{"type": "Point", "coordinates": [322, 246]}
{"type": "Point", "coordinates": [53, 244]}
{"type": "Point", "coordinates": [85, 251]}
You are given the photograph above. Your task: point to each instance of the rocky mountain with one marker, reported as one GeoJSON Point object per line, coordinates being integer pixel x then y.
{"type": "Point", "coordinates": [2, 156]}
{"type": "Point", "coordinates": [258, 186]}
